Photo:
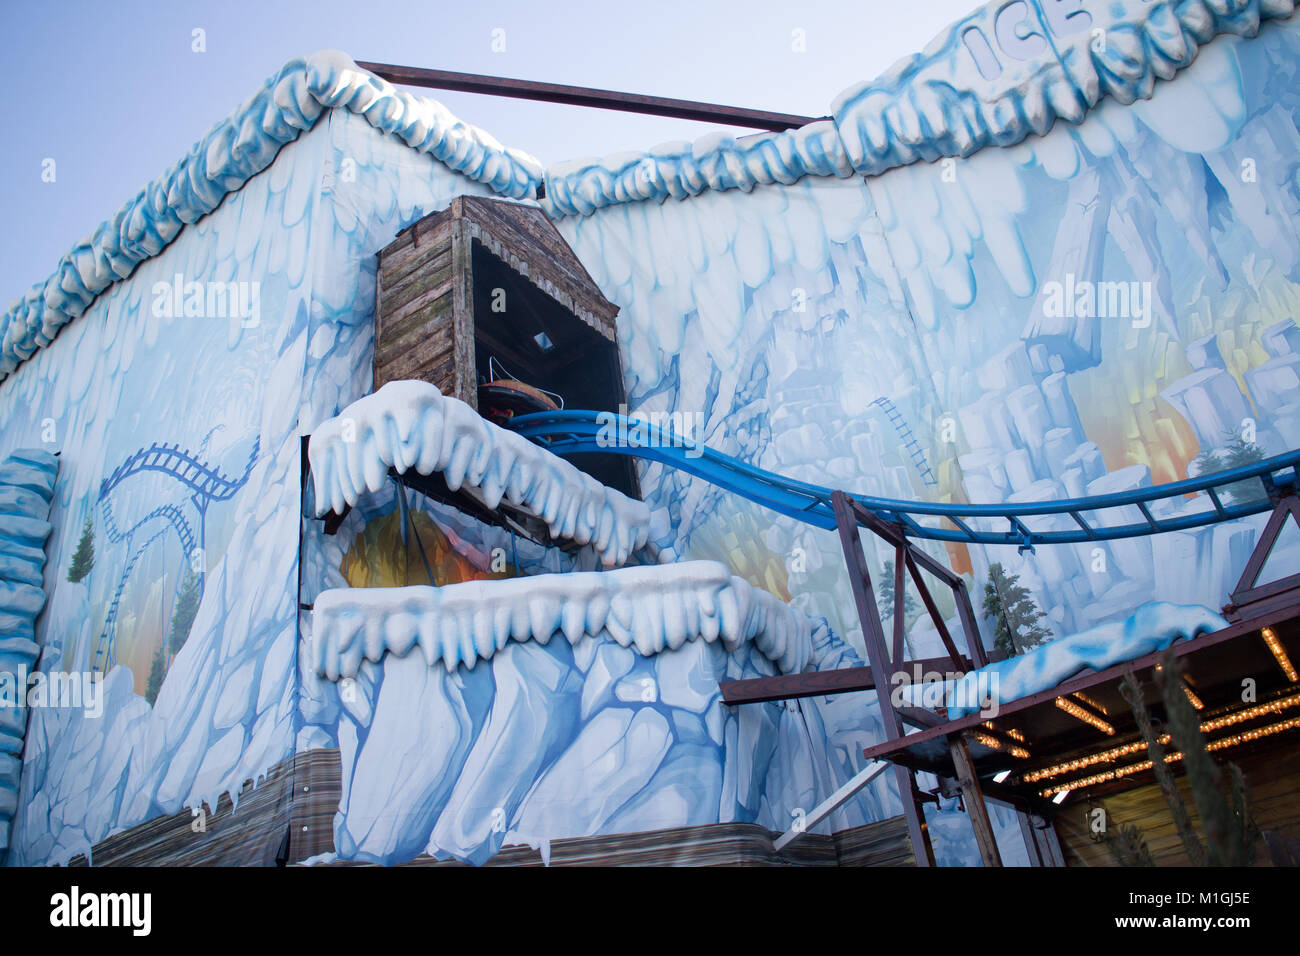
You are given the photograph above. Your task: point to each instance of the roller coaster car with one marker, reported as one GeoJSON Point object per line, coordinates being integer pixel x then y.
{"type": "Point", "coordinates": [502, 399]}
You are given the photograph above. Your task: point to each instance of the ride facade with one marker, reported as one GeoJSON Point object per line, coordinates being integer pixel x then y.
{"type": "Point", "coordinates": [335, 531]}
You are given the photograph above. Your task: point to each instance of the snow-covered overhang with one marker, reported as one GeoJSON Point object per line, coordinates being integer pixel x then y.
{"type": "Point", "coordinates": [411, 425]}
{"type": "Point", "coordinates": [651, 608]}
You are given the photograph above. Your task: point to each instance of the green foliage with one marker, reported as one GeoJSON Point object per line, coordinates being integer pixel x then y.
{"type": "Point", "coordinates": [1205, 463]}
{"type": "Point", "coordinates": [84, 557]}
{"type": "Point", "coordinates": [1131, 691]}
{"type": "Point", "coordinates": [910, 607]}
{"type": "Point", "coordinates": [1128, 847]}
{"type": "Point", "coordinates": [1229, 831]}
{"type": "Point", "coordinates": [1235, 453]}
{"type": "Point", "coordinates": [1241, 811]}
{"type": "Point", "coordinates": [156, 673]}
{"type": "Point", "coordinates": [1226, 822]}
{"type": "Point", "coordinates": [1013, 611]}
{"type": "Point", "coordinates": [187, 607]}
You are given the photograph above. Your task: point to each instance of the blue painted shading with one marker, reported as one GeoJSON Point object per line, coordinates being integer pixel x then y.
{"type": "Point", "coordinates": [26, 487]}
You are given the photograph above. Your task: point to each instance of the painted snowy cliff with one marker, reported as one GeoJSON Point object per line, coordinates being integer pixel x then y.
{"type": "Point", "coordinates": [864, 303]}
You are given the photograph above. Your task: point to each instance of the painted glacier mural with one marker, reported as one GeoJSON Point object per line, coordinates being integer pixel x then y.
{"type": "Point", "coordinates": [937, 294]}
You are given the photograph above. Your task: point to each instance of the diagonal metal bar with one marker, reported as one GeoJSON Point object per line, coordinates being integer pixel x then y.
{"type": "Point", "coordinates": [832, 803]}
{"type": "Point", "coordinates": [586, 96]}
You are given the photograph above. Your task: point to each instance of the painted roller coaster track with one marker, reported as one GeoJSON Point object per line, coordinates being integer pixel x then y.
{"type": "Point", "coordinates": [106, 646]}
{"type": "Point", "coordinates": [172, 513]}
{"type": "Point", "coordinates": [1095, 518]}
{"type": "Point", "coordinates": [906, 436]}
{"type": "Point", "coordinates": [205, 481]}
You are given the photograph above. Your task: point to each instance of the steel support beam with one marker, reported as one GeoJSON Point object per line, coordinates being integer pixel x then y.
{"type": "Point", "coordinates": [846, 680]}
{"type": "Point", "coordinates": [588, 97]}
{"type": "Point", "coordinates": [873, 633]}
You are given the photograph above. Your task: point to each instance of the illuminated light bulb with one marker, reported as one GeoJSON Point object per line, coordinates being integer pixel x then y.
{"type": "Point", "coordinates": [1001, 776]}
{"type": "Point", "coordinates": [993, 743]}
{"type": "Point", "coordinates": [1060, 797]}
{"type": "Point", "coordinates": [1009, 731]}
{"type": "Point", "coordinates": [1113, 754]}
{"type": "Point", "coordinates": [1223, 743]}
{"type": "Point", "coordinates": [1087, 716]}
{"type": "Point", "coordinates": [1080, 695]}
{"type": "Point", "coordinates": [1249, 713]}
{"type": "Point", "coordinates": [1279, 654]}
{"type": "Point", "coordinates": [1081, 763]}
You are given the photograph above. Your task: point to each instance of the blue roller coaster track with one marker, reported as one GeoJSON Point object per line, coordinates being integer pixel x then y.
{"type": "Point", "coordinates": [1096, 518]}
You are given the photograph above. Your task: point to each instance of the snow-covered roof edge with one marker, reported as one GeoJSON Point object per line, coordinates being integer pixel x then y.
{"type": "Point", "coordinates": [229, 155]}
{"type": "Point", "coordinates": [992, 78]}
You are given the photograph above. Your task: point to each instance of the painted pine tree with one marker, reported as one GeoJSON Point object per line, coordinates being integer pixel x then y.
{"type": "Point", "coordinates": [910, 608]}
{"type": "Point", "coordinates": [83, 559]}
{"type": "Point", "coordinates": [1237, 452]}
{"type": "Point", "coordinates": [187, 607]}
{"type": "Point", "coordinates": [1013, 611]}
{"type": "Point", "coordinates": [156, 672]}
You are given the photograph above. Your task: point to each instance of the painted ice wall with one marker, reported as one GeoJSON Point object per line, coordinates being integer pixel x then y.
{"type": "Point", "coordinates": [459, 764]}
{"type": "Point", "coordinates": [179, 428]}
{"type": "Point", "coordinates": [177, 433]}
{"type": "Point", "coordinates": [1084, 312]}
{"type": "Point", "coordinates": [1100, 306]}
{"type": "Point", "coordinates": [922, 333]}
{"type": "Point", "coordinates": [177, 417]}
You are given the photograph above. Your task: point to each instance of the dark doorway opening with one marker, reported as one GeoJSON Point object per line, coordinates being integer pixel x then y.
{"type": "Point", "coordinates": [523, 334]}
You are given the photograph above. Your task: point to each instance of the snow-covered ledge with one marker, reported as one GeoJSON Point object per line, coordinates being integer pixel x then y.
{"type": "Point", "coordinates": [651, 608]}
{"type": "Point", "coordinates": [1152, 627]}
{"type": "Point", "coordinates": [412, 425]}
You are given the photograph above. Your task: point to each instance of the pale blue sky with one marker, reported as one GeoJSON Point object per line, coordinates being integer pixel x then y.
{"type": "Point", "coordinates": [113, 92]}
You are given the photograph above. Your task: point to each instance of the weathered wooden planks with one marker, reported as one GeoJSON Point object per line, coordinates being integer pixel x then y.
{"type": "Point", "coordinates": [717, 844]}
{"type": "Point", "coordinates": [424, 294]}
{"type": "Point", "coordinates": [414, 300]}
{"type": "Point", "coordinates": [1271, 773]}
{"type": "Point", "coordinates": [523, 237]}
{"type": "Point", "coordinates": [291, 814]}
{"type": "Point", "coordinates": [252, 835]}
